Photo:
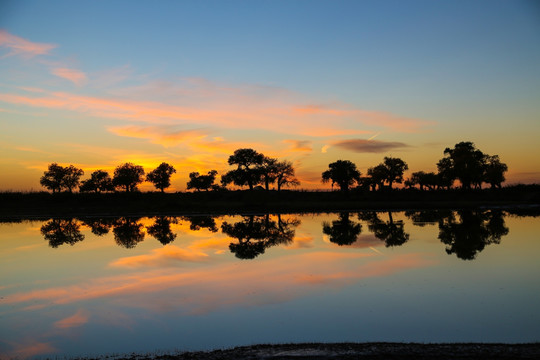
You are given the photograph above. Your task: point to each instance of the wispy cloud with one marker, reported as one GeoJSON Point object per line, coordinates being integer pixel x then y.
{"type": "Point", "coordinates": [76, 320]}
{"type": "Point", "coordinates": [369, 146]}
{"type": "Point", "coordinates": [299, 145]}
{"type": "Point", "coordinates": [75, 76]}
{"type": "Point", "coordinates": [158, 135]}
{"type": "Point", "coordinates": [22, 47]}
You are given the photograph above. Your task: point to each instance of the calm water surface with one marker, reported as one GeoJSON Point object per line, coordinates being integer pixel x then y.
{"type": "Point", "coordinates": [90, 286]}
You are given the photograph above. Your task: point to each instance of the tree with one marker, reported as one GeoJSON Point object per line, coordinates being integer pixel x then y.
{"type": "Point", "coordinates": [161, 176]}
{"type": "Point", "coordinates": [445, 175]}
{"type": "Point", "coordinates": [99, 181]}
{"type": "Point", "coordinates": [58, 177]}
{"type": "Point", "coordinates": [52, 178]}
{"type": "Point", "coordinates": [390, 170]}
{"type": "Point", "coordinates": [161, 230]}
{"type": "Point", "coordinates": [268, 171]}
{"type": "Point", "coordinates": [128, 176]}
{"type": "Point", "coordinates": [421, 178]}
{"type": "Point", "coordinates": [128, 232]}
{"type": "Point", "coordinates": [342, 231]}
{"type": "Point", "coordinates": [467, 164]}
{"type": "Point", "coordinates": [61, 231]}
{"type": "Point", "coordinates": [247, 171]}
{"type": "Point", "coordinates": [285, 175]}
{"type": "Point", "coordinates": [202, 182]}
{"type": "Point", "coordinates": [494, 171]}
{"type": "Point", "coordinates": [378, 175]}
{"type": "Point", "coordinates": [343, 173]}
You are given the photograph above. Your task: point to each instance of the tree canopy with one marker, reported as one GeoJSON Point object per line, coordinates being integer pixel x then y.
{"type": "Point", "coordinates": [128, 176]}
{"type": "Point", "coordinates": [58, 177]}
{"type": "Point", "coordinates": [343, 173]}
{"type": "Point", "coordinates": [161, 176]}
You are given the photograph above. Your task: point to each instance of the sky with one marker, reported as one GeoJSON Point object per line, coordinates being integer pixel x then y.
{"type": "Point", "coordinates": [97, 84]}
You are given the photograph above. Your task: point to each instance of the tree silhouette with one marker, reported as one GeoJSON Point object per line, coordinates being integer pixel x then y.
{"type": "Point", "coordinates": [422, 179]}
{"type": "Point", "coordinates": [202, 182]}
{"type": "Point", "coordinates": [161, 176]}
{"type": "Point", "coordinates": [470, 234]}
{"type": "Point", "coordinates": [99, 226]}
{"type": "Point", "coordinates": [268, 171]}
{"type": "Point", "coordinates": [161, 229]}
{"type": "Point", "coordinates": [445, 175]}
{"type": "Point", "coordinates": [58, 177]}
{"type": "Point", "coordinates": [247, 171]}
{"type": "Point", "coordinates": [285, 175]}
{"type": "Point", "coordinates": [128, 232]}
{"type": "Point", "coordinates": [128, 176]}
{"type": "Point", "coordinates": [99, 181]}
{"type": "Point", "coordinates": [343, 173]}
{"type": "Point", "coordinates": [61, 231]}
{"type": "Point", "coordinates": [199, 222]}
{"type": "Point", "coordinates": [391, 232]}
{"type": "Point", "coordinates": [256, 233]}
{"type": "Point", "coordinates": [390, 170]}
{"type": "Point", "coordinates": [467, 163]}
{"type": "Point", "coordinates": [342, 231]}
{"type": "Point", "coordinates": [494, 171]}
{"type": "Point", "coordinates": [378, 175]}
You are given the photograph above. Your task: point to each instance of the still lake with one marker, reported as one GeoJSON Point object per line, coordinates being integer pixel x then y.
{"type": "Point", "coordinates": [95, 286]}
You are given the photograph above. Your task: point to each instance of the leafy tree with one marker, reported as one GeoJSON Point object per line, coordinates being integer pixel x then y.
{"type": "Point", "coordinates": [99, 226]}
{"type": "Point", "coordinates": [128, 232]}
{"type": "Point", "coordinates": [199, 222]}
{"type": "Point", "coordinates": [423, 179]}
{"type": "Point", "coordinates": [161, 176]}
{"type": "Point", "coordinates": [202, 182]}
{"type": "Point", "coordinates": [494, 171]}
{"type": "Point", "coordinates": [247, 171]}
{"type": "Point", "coordinates": [268, 171]}
{"type": "Point", "coordinates": [390, 170]}
{"type": "Point", "coordinates": [285, 175]}
{"type": "Point", "coordinates": [378, 175]}
{"type": "Point", "coordinates": [467, 163]}
{"type": "Point", "coordinates": [128, 176]}
{"type": "Point", "coordinates": [391, 232]}
{"type": "Point", "coordinates": [58, 177]}
{"type": "Point", "coordinates": [343, 173]}
{"type": "Point", "coordinates": [53, 177]}
{"type": "Point", "coordinates": [445, 175]}
{"type": "Point", "coordinates": [342, 231]}
{"type": "Point", "coordinates": [99, 181]}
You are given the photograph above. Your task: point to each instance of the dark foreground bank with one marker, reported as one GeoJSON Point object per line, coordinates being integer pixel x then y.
{"type": "Point", "coordinates": [235, 202]}
{"type": "Point", "coordinates": [365, 351]}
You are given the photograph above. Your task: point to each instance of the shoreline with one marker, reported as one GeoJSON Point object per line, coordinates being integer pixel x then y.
{"type": "Point", "coordinates": [366, 351]}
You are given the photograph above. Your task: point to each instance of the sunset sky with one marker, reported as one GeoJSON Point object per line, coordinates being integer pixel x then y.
{"type": "Point", "coordinates": [96, 84]}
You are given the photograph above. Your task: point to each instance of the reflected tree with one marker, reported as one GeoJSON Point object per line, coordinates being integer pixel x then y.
{"type": "Point", "coordinates": [391, 232]}
{"type": "Point", "coordinates": [426, 217]}
{"type": "Point", "coordinates": [256, 233]}
{"type": "Point", "coordinates": [99, 226]}
{"type": "Point", "coordinates": [61, 231]}
{"type": "Point", "coordinates": [342, 231]}
{"type": "Point", "coordinates": [201, 222]}
{"type": "Point", "coordinates": [161, 229]}
{"type": "Point", "coordinates": [467, 232]}
{"type": "Point", "coordinates": [128, 232]}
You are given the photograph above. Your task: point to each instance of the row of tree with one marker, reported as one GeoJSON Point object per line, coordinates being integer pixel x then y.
{"type": "Point", "coordinates": [463, 162]}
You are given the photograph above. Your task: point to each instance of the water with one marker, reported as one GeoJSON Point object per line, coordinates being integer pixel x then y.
{"type": "Point", "coordinates": [90, 286]}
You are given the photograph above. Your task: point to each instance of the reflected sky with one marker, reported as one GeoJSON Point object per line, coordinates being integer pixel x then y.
{"type": "Point", "coordinates": [91, 286]}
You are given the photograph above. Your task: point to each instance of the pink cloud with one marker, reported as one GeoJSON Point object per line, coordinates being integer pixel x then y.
{"type": "Point", "coordinates": [75, 76]}
{"type": "Point", "coordinates": [78, 319]}
{"type": "Point", "coordinates": [23, 47]}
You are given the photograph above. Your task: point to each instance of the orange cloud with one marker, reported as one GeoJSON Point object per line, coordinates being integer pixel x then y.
{"type": "Point", "coordinates": [157, 135]}
{"type": "Point", "coordinates": [25, 351]}
{"type": "Point", "coordinates": [22, 47]}
{"type": "Point", "coordinates": [76, 320]}
{"type": "Point", "coordinates": [75, 76]}
{"type": "Point", "coordinates": [299, 145]}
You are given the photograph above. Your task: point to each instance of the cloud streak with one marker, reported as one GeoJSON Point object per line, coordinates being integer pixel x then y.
{"type": "Point", "coordinates": [21, 47]}
{"type": "Point", "coordinates": [75, 76]}
{"type": "Point", "coordinates": [370, 146]}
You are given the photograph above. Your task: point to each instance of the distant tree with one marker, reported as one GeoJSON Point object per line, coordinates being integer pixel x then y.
{"type": "Point", "coordinates": [467, 163]}
{"type": "Point", "coordinates": [423, 179]}
{"type": "Point", "coordinates": [128, 176]}
{"type": "Point", "coordinates": [99, 181]}
{"type": "Point", "coordinates": [247, 171]}
{"type": "Point", "coordinates": [161, 176]}
{"type": "Point", "coordinates": [343, 173]}
{"type": "Point", "coordinates": [202, 182]}
{"type": "Point", "coordinates": [285, 175]}
{"type": "Point", "coordinates": [391, 232]}
{"type": "Point", "coordinates": [378, 175]}
{"type": "Point", "coordinates": [445, 174]}
{"type": "Point", "coordinates": [72, 176]}
{"type": "Point", "coordinates": [52, 179]}
{"type": "Point", "coordinates": [494, 171]}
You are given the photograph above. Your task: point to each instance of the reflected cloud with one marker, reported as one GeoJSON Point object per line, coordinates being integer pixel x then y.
{"type": "Point", "coordinates": [168, 255]}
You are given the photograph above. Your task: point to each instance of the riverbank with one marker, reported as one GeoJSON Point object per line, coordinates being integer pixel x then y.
{"type": "Point", "coordinates": [13, 204]}
{"type": "Point", "coordinates": [364, 351]}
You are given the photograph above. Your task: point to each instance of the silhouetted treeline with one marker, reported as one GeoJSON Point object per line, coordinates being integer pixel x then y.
{"type": "Point", "coordinates": [464, 163]}
{"type": "Point", "coordinates": [464, 233]}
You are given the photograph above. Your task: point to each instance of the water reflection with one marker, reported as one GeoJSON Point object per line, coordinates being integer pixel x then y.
{"type": "Point", "coordinates": [60, 231]}
{"type": "Point", "coordinates": [464, 232]}
{"type": "Point", "coordinates": [257, 233]}
{"type": "Point", "coordinates": [391, 232]}
{"type": "Point", "coordinates": [342, 231]}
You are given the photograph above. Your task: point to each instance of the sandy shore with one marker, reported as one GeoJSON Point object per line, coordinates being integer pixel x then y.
{"type": "Point", "coordinates": [365, 351]}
